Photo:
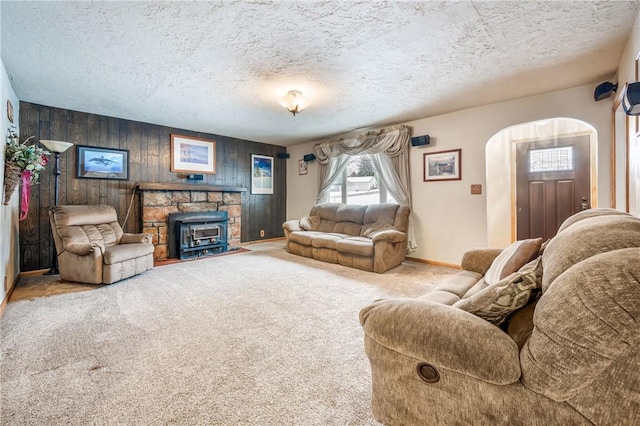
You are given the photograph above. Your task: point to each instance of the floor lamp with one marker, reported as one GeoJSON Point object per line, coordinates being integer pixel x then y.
{"type": "Point", "coordinates": [57, 148]}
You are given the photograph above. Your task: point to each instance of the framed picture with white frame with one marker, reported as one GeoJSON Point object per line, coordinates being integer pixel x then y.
{"type": "Point", "coordinates": [261, 174]}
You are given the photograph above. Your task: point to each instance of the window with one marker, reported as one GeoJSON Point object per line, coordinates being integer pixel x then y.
{"type": "Point", "coordinates": [363, 185]}
{"type": "Point", "coordinates": [551, 159]}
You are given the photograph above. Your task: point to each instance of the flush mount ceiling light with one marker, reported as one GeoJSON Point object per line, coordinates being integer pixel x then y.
{"type": "Point", "coordinates": [294, 101]}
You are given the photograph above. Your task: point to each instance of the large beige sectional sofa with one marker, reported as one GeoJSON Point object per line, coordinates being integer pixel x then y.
{"type": "Point", "coordinates": [368, 237]}
{"type": "Point", "coordinates": [570, 355]}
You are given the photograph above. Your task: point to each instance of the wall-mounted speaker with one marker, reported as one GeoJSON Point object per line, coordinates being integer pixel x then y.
{"type": "Point", "coordinates": [420, 140]}
{"type": "Point", "coordinates": [309, 157]}
{"type": "Point", "coordinates": [631, 99]}
{"type": "Point", "coordinates": [283, 155]}
{"type": "Point", "coordinates": [604, 90]}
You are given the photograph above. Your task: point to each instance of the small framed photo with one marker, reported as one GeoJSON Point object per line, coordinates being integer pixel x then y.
{"type": "Point", "coordinates": [9, 111]}
{"type": "Point", "coordinates": [302, 167]}
{"type": "Point", "coordinates": [443, 165]}
{"type": "Point", "coordinates": [261, 174]}
{"type": "Point", "coordinates": [102, 163]}
{"type": "Point", "coordinates": [189, 154]}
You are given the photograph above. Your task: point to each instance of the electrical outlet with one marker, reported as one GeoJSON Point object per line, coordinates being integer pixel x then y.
{"type": "Point", "coordinates": [262, 233]}
{"type": "Point", "coordinates": [476, 189]}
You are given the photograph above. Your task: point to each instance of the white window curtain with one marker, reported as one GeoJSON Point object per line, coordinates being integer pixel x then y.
{"type": "Point", "coordinates": [389, 150]}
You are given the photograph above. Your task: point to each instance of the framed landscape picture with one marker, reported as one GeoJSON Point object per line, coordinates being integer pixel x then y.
{"type": "Point", "coordinates": [443, 165]}
{"type": "Point", "coordinates": [102, 163]}
{"type": "Point", "coordinates": [261, 174]}
{"type": "Point", "coordinates": [189, 154]}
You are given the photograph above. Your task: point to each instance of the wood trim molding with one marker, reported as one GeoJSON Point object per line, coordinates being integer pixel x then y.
{"type": "Point", "coordinates": [617, 102]}
{"type": "Point", "coordinates": [154, 186]}
{"type": "Point", "coordinates": [7, 295]}
{"type": "Point", "coordinates": [434, 262]}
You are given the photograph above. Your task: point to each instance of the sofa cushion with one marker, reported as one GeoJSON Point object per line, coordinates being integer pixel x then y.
{"type": "Point", "coordinates": [499, 300]}
{"type": "Point", "coordinates": [123, 252]}
{"type": "Point", "coordinates": [356, 245]}
{"type": "Point", "coordinates": [303, 237]}
{"type": "Point", "coordinates": [584, 324]}
{"type": "Point", "coordinates": [310, 223]}
{"type": "Point", "coordinates": [327, 240]}
{"type": "Point", "coordinates": [587, 238]}
{"type": "Point", "coordinates": [351, 213]}
{"type": "Point", "coordinates": [369, 230]}
{"type": "Point", "coordinates": [381, 213]}
{"type": "Point", "coordinates": [456, 286]}
{"type": "Point", "coordinates": [512, 259]}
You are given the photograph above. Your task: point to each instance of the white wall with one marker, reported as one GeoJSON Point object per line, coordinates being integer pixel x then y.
{"type": "Point", "coordinates": [627, 74]}
{"type": "Point", "coordinates": [9, 244]}
{"type": "Point", "coordinates": [448, 219]}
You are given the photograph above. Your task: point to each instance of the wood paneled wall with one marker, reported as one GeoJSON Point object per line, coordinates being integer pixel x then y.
{"type": "Point", "coordinates": [149, 157]}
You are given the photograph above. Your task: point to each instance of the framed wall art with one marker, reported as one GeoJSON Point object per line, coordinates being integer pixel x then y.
{"type": "Point", "coordinates": [189, 154]}
{"type": "Point", "coordinates": [443, 165]}
{"type": "Point", "coordinates": [102, 163]}
{"type": "Point", "coordinates": [261, 174]}
{"type": "Point", "coordinates": [302, 167]}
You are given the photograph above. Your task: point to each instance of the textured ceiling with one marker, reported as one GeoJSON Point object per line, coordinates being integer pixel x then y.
{"type": "Point", "coordinates": [219, 66]}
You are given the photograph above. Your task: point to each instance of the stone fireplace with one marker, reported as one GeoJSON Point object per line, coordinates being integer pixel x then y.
{"type": "Point", "coordinates": [158, 200]}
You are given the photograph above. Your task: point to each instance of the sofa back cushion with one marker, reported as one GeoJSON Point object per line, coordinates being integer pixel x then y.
{"type": "Point", "coordinates": [349, 219]}
{"type": "Point", "coordinates": [326, 216]}
{"type": "Point", "coordinates": [87, 224]}
{"type": "Point", "coordinates": [586, 321]}
{"type": "Point", "coordinates": [586, 238]}
{"type": "Point", "coordinates": [381, 213]}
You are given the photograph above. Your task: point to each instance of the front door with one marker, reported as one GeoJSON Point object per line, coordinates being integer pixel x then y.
{"type": "Point", "coordinates": [552, 183]}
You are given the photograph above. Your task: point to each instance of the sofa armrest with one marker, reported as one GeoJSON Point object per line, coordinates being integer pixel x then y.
{"type": "Point", "coordinates": [83, 249]}
{"type": "Point", "coordinates": [292, 225]}
{"type": "Point", "coordinates": [390, 236]}
{"type": "Point", "coordinates": [479, 260]}
{"type": "Point", "coordinates": [135, 238]}
{"type": "Point", "coordinates": [444, 336]}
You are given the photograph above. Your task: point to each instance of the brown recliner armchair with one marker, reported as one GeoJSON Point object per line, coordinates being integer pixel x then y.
{"type": "Point", "coordinates": [92, 248]}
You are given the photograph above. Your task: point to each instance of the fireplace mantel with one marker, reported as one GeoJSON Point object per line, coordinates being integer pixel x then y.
{"type": "Point", "coordinates": [173, 186]}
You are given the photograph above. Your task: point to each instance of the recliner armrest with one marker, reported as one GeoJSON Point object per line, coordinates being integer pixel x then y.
{"type": "Point", "coordinates": [390, 236]}
{"type": "Point", "coordinates": [292, 225]}
{"type": "Point", "coordinates": [135, 238]}
{"type": "Point", "coordinates": [446, 337]}
{"type": "Point", "coordinates": [479, 259]}
{"type": "Point", "coordinates": [83, 249]}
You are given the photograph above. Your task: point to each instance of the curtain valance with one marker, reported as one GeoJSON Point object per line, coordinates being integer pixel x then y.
{"type": "Point", "coordinates": [392, 141]}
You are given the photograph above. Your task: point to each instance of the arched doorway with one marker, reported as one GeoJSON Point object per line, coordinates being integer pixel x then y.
{"type": "Point", "coordinates": [501, 155]}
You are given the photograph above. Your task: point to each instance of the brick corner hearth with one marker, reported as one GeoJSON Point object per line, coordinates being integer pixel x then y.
{"type": "Point", "coordinates": [159, 199]}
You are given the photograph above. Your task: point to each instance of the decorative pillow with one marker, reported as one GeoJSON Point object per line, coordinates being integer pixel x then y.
{"type": "Point", "coordinates": [512, 259]}
{"type": "Point", "coordinates": [310, 223]}
{"type": "Point", "coordinates": [368, 231]}
{"type": "Point", "coordinates": [497, 301]}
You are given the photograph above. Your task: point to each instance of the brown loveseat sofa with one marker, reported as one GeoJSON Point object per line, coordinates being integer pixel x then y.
{"type": "Point", "coordinates": [570, 357]}
{"type": "Point", "coordinates": [92, 248]}
{"type": "Point", "coordinates": [371, 238]}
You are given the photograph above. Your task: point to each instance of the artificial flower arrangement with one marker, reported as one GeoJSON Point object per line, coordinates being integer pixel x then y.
{"type": "Point", "coordinates": [22, 162]}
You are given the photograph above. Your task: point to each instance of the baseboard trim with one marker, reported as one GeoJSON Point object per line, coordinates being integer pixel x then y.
{"type": "Point", "coordinates": [434, 262]}
{"type": "Point", "coordinates": [33, 273]}
{"type": "Point", "coordinates": [7, 296]}
{"type": "Point", "coordinates": [248, 243]}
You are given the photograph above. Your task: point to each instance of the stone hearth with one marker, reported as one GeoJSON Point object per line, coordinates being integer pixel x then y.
{"type": "Point", "coordinates": [158, 200]}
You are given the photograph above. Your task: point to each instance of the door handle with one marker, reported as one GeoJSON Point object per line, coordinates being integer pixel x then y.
{"type": "Point", "coordinates": [585, 204]}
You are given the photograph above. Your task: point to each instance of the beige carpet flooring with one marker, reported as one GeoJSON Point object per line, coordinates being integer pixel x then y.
{"type": "Point", "coordinates": [258, 338]}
